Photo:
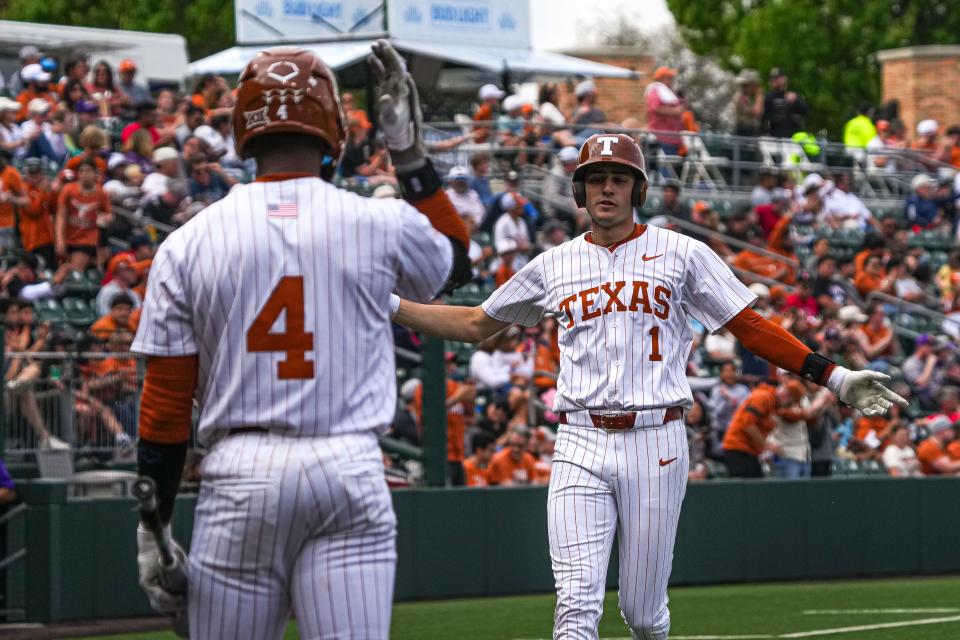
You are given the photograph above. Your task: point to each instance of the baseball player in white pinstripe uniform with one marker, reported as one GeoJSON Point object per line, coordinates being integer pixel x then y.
{"type": "Point", "coordinates": [270, 309]}
{"type": "Point", "coordinates": [622, 294]}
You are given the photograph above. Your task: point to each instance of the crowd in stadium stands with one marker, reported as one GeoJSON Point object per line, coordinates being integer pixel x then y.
{"type": "Point", "coordinates": [95, 169]}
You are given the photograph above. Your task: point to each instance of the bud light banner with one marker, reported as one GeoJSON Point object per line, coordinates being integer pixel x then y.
{"type": "Point", "coordinates": [497, 23]}
{"type": "Point", "coordinates": [263, 21]}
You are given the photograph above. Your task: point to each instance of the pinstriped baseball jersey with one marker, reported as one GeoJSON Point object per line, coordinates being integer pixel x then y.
{"type": "Point", "coordinates": [282, 290]}
{"type": "Point", "coordinates": [624, 337]}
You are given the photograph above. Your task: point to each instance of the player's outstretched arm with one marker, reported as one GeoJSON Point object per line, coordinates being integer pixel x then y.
{"type": "Point", "coordinates": [861, 389]}
{"type": "Point", "coordinates": [463, 324]}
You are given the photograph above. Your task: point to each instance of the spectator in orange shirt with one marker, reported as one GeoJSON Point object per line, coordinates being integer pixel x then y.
{"type": "Point", "coordinates": [507, 250]}
{"type": "Point", "coordinates": [872, 278]}
{"type": "Point", "coordinates": [36, 85]}
{"type": "Point", "coordinates": [476, 467]}
{"type": "Point", "coordinates": [949, 150]}
{"type": "Point", "coordinates": [459, 403]}
{"type": "Point", "coordinates": [755, 418]}
{"type": "Point", "coordinates": [83, 207]}
{"type": "Point", "coordinates": [351, 111]}
{"type": "Point", "coordinates": [874, 246]}
{"type": "Point", "coordinates": [92, 140]}
{"type": "Point", "coordinates": [513, 465]}
{"type": "Point", "coordinates": [926, 137]}
{"type": "Point", "coordinates": [932, 452]}
{"type": "Point", "coordinates": [36, 217]}
{"type": "Point", "coordinates": [121, 306]}
{"type": "Point", "coordinates": [490, 96]}
{"type": "Point", "coordinates": [12, 194]}
{"type": "Point", "coordinates": [761, 264]}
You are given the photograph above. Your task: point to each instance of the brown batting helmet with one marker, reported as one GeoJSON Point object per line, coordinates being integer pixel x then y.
{"type": "Point", "coordinates": [610, 148]}
{"type": "Point", "coordinates": [288, 90]}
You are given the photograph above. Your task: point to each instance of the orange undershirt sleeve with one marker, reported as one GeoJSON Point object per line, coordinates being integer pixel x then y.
{"type": "Point", "coordinates": [166, 404]}
{"type": "Point", "coordinates": [770, 341]}
{"type": "Point", "coordinates": [444, 217]}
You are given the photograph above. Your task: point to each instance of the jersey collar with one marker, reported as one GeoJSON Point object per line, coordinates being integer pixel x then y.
{"type": "Point", "coordinates": [638, 230]}
{"type": "Point", "coordinates": [290, 175]}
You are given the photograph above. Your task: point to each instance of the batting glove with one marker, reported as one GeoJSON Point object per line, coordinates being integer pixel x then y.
{"type": "Point", "coordinates": [398, 106]}
{"type": "Point", "coordinates": [863, 390]}
{"type": "Point", "coordinates": [148, 561]}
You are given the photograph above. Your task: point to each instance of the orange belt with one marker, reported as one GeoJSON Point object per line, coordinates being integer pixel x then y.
{"type": "Point", "coordinates": [620, 421]}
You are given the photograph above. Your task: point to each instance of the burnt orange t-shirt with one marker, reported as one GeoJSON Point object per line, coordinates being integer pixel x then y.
{"type": "Point", "coordinates": [36, 220]}
{"type": "Point", "coordinates": [483, 114]}
{"type": "Point", "coordinates": [876, 335]}
{"type": "Point", "coordinates": [867, 282]}
{"type": "Point", "coordinates": [929, 452]}
{"type": "Point", "coordinates": [866, 424]}
{"type": "Point", "coordinates": [475, 474]}
{"type": "Point", "coordinates": [456, 425]}
{"type": "Point", "coordinates": [11, 181]}
{"type": "Point", "coordinates": [106, 325]}
{"type": "Point", "coordinates": [504, 468]}
{"type": "Point", "coordinates": [757, 410]}
{"type": "Point", "coordinates": [82, 210]}
{"type": "Point", "coordinates": [761, 265]}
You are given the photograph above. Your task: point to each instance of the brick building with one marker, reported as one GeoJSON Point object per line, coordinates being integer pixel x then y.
{"type": "Point", "coordinates": [619, 98]}
{"type": "Point", "coordinates": [926, 82]}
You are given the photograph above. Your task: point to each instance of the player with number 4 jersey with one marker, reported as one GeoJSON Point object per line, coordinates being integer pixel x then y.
{"type": "Point", "coordinates": [623, 294]}
{"type": "Point", "coordinates": [270, 309]}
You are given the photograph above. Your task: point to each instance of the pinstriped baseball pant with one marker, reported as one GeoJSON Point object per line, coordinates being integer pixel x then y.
{"type": "Point", "coordinates": [606, 482]}
{"type": "Point", "coordinates": [292, 523]}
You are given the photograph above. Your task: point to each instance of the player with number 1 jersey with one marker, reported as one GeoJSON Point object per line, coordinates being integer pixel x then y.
{"type": "Point", "coordinates": [270, 309]}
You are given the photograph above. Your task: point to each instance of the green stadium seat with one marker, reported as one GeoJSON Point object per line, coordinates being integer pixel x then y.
{"type": "Point", "coordinates": [49, 311]}
{"type": "Point", "coordinates": [78, 285]}
{"type": "Point", "coordinates": [78, 312]}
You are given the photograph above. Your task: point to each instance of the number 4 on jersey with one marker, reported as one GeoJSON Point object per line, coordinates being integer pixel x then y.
{"type": "Point", "coordinates": [286, 296]}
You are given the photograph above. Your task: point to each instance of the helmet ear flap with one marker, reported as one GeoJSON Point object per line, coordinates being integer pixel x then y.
{"type": "Point", "coordinates": [640, 191]}
{"type": "Point", "coordinates": [579, 193]}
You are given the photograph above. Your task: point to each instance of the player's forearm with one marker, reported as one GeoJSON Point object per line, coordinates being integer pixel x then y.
{"type": "Point", "coordinates": [463, 324]}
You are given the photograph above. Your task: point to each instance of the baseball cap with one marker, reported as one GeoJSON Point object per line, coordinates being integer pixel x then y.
{"type": "Point", "coordinates": [34, 73]}
{"type": "Point", "coordinates": [939, 423]}
{"type": "Point", "coordinates": [851, 313]}
{"type": "Point", "coordinates": [506, 245]}
{"type": "Point", "coordinates": [927, 127]}
{"type": "Point", "coordinates": [164, 153]}
{"type": "Point", "coordinates": [29, 51]}
{"type": "Point", "coordinates": [920, 180]}
{"type": "Point", "coordinates": [760, 290]}
{"type": "Point", "coordinates": [48, 64]}
{"type": "Point", "coordinates": [38, 105]}
{"type": "Point", "coordinates": [117, 159]}
{"type": "Point", "coordinates": [125, 259]}
{"type": "Point", "coordinates": [512, 102]}
{"type": "Point", "coordinates": [664, 72]}
{"type": "Point", "coordinates": [6, 104]}
{"type": "Point", "coordinates": [568, 154]}
{"type": "Point", "coordinates": [585, 87]}
{"type": "Point", "coordinates": [812, 180]}
{"type": "Point", "coordinates": [127, 65]}
{"type": "Point", "coordinates": [510, 200]}
{"type": "Point", "coordinates": [409, 388]}
{"type": "Point", "coordinates": [512, 176]}
{"type": "Point", "coordinates": [491, 91]}
{"type": "Point", "coordinates": [882, 125]}
{"type": "Point", "coordinates": [384, 191]}
{"type": "Point", "coordinates": [458, 172]}
{"type": "Point", "coordinates": [700, 206]}
{"type": "Point", "coordinates": [776, 72]}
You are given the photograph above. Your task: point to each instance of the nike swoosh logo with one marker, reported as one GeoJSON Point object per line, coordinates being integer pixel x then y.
{"type": "Point", "coordinates": [647, 258]}
{"type": "Point", "coordinates": [664, 463]}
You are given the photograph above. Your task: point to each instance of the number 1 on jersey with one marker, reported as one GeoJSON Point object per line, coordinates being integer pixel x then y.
{"type": "Point", "coordinates": [655, 344]}
{"type": "Point", "coordinates": [287, 295]}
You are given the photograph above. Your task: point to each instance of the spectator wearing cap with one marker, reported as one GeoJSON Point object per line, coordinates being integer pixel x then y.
{"type": "Point", "coordinates": [513, 227]}
{"type": "Point", "coordinates": [93, 140]}
{"type": "Point", "coordinates": [36, 87]}
{"type": "Point", "coordinates": [890, 136]}
{"type": "Point", "coordinates": [926, 140]}
{"type": "Point", "coordinates": [136, 92]}
{"type": "Point", "coordinates": [465, 200]}
{"type": "Point", "coordinates": [37, 131]}
{"type": "Point", "coordinates": [487, 111]}
{"type": "Point", "coordinates": [932, 453]}
{"type": "Point", "coordinates": [923, 209]}
{"type": "Point", "coordinates": [29, 54]}
{"type": "Point", "coordinates": [13, 194]}
{"type": "Point", "coordinates": [557, 200]}
{"type": "Point", "coordinates": [664, 110]}
{"type": "Point", "coordinates": [859, 130]}
{"type": "Point", "coordinates": [11, 137]}
{"type": "Point", "coordinates": [923, 370]}
{"type": "Point", "coordinates": [506, 250]}
{"type": "Point", "coordinates": [36, 217]}
{"type": "Point", "coordinates": [747, 104]}
{"type": "Point", "coordinates": [220, 143]}
{"type": "Point", "coordinates": [586, 115]}
{"type": "Point", "coordinates": [783, 110]}
{"type": "Point", "coordinates": [83, 208]}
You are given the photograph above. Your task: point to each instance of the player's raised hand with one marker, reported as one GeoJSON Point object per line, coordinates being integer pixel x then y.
{"type": "Point", "coordinates": [864, 390]}
{"type": "Point", "coordinates": [398, 105]}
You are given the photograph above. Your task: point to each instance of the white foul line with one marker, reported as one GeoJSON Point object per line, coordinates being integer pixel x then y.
{"type": "Point", "coordinates": [869, 627]}
{"type": "Point", "coordinates": [829, 612]}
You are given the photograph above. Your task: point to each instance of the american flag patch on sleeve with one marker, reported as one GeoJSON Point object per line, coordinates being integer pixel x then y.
{"type": "Point", "coordinates": [282, 209]}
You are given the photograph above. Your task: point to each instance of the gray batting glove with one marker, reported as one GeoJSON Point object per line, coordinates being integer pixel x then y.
{"type": "Point", "coordinates": [863, 390]}
{"type": "Point", "coordinates": [148, 561]}
{"type": "Point", "coordinates": [398, 106]}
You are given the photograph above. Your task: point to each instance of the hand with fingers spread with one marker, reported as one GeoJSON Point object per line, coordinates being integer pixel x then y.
{"type": "Point", "coordinates": [864, 390]}
{"type": "Point", "coordinates": [398, 106]}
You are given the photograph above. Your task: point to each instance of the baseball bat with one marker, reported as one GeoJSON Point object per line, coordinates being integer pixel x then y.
{"type": "Point", "coordinates": [172, 576]}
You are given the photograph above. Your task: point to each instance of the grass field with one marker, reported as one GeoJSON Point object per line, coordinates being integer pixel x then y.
{"type": "Point", "coordinates": [920, 609]}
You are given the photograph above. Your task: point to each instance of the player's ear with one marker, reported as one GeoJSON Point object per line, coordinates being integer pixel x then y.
{"type": "Point", "coordinates": [640, 191]}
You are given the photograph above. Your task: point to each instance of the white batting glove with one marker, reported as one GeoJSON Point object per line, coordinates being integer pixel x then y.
{"type": "Point", "coordinates": [863, 390]}
{"type": "Point", "coordinates": [398, 106]}
{"type": "Point", "coordinates": [148, 561]}
{"type": "Point", "coordinates": [394, 305]}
